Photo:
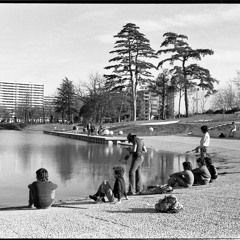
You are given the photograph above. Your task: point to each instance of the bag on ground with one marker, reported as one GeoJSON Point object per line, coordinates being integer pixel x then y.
{"type": "Point", "coordinates": [169, 204]}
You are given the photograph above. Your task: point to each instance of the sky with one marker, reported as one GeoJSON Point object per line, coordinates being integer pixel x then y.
{"type": "Point", "coordinates": [44, 43]}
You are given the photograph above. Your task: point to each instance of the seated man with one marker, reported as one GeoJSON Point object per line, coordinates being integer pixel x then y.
{"type": "Point", "coordinates": [184, 178]}
{"type": "Point", "coordinates": [201, 174]}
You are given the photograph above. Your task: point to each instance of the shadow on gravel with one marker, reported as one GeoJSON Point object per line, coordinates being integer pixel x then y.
{"type": "Point", "coordinates": [17, 208]}
{"type": "Point", "coordinates": [224, 173]}
{"type": "Point", "coordinates": [136, 210]}
{"type": "Point", "coordinates": [63, 205]}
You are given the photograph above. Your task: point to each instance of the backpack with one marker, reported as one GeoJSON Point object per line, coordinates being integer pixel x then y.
{"type": "Point", "coordinates": [169, 204]}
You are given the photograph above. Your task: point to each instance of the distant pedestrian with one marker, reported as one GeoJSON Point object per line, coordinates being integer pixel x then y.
{"type": "Point", "coordinates": [92, 129]}
{"type": "Point", "coordinates": [135, 178]}
{"type": "Point", "coordinates": [100, 130]}
{"type": "Point", "coordinates": [201, 174]}
{"type": "Point", "coordinates": [232, 130]}
{"type": "Point", "coordinates": [89, 126]}
{"type": "Point", "coordinates": [105, 189]}
{"type": "Point", "coordinates": [204, 142]}
{"type": "Point", "coordinates": [212, 169]}
{"type": "Point", "coordinates": [42, 191]}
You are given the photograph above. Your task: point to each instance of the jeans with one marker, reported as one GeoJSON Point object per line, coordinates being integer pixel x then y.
{"type": "Point", "coordinates": [135, 178]}
{"type": "Point", "coordinates": [179, 180]}
{"type": "Point", "coordinates": [203, 152]}
{"type": "Point", "coordinates": [105, 190]}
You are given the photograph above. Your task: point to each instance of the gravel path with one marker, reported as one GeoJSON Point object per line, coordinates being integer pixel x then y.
{"type": "Point", "coordinates": [211, 211]}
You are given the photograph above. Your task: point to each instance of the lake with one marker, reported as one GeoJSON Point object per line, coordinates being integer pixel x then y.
{"type": "Point", "coordinates": [77, 167]}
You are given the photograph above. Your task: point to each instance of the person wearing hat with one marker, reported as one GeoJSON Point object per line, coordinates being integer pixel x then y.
{"type": "Point", "coordinates": [138, 148]}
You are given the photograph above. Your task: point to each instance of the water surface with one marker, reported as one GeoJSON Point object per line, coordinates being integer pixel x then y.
{"type": "Point", "coordinates": [77, 167]}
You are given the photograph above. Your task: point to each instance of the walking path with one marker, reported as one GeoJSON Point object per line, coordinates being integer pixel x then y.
{"type": "Point", "coordinates": [211, 211]}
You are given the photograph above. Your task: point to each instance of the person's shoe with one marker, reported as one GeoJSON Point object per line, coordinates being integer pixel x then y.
{"type": "Point", "coordinates": [130, 193]}
{"type": "Point", "coordinates": [93, 197]}
{"type": "Point", "coordinates": [101, 200]}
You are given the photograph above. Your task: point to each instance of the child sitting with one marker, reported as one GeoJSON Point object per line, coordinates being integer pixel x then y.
{"type": "Point", "coordinates": [118, 191]}
{"type": "Point", "coordinates": [201, 174]}
{"type": "Point", "coordinates": [212, 169]}
{"type": "Point", "coordinates": [42, 191]}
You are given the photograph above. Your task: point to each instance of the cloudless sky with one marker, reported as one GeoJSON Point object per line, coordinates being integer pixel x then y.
{"type": "Point", "coordinates": [44, 43]}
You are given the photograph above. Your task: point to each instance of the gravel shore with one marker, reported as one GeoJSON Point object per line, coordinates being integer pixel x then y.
{"type": "Point", "coordinates": [211, 211]}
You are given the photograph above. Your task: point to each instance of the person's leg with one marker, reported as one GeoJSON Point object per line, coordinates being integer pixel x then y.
{"type": "Point", "coordinates": [132, 175]}
{"type": "Point", "coordinates": [107, 190]}
{"type": "Point", "coordinates": [139, 176]}
{"type": "Point", "coordinates": [203, 152]}
{"type": "Point", "coordinates": [181, 181]}
{"type": "Point", "coordinates": [103, 190]}
{"type": "Point", "coordinates": [197, 179]}
{"type": "Point", "coordinates": [172, 181]}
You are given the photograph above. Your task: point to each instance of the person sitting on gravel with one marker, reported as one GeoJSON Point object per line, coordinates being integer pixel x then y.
{"type": "Point", "coordinates": [201, 174]}
{"type": "Point", "coordinates": [184, 178]}
{"type": "Point", "coordinates": [42, 191]}
{"type": "Point", "coordinates": [204, 142]}
{"type": "Point", "coordinates": [212, 169]}
{"type": "Point", "coordinates": [105, 189]}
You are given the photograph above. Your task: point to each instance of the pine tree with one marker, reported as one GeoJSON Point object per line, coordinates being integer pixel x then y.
{"type": "Point", "coordinates": [193, 74]}
{"type": "Point", "coordinates": [130, 70]}
{"type": "Point", "coordinates": [66, 99]}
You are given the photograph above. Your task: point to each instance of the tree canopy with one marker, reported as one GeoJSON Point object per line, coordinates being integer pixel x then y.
{"type": "Point", "coordinates": [178, 50]}
{"type": "Point", "coordinates": [131, 68]}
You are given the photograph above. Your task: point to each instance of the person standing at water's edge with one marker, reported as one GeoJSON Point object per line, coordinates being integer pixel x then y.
{"type": "Point", "coordinates": [135, 181]}
{"type": "Point", "coordinates": [42, 191]}
{"type": "Point", "coordinates": [204, 142]}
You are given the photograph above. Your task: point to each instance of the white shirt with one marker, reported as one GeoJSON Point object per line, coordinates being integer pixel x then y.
{"type": "Point", "coordinates": [205, 140]}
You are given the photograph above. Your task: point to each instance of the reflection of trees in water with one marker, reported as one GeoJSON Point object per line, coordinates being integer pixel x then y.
{"type": "Point", "coordinates": [90, 163]}
{"type": "Point", "coordinates": [158, 165]}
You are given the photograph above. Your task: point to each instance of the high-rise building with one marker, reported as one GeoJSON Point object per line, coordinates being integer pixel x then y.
{"type": "Point", "coordinates": [149, 104]}
{"type": "Point", "coordinates": [14, 95]}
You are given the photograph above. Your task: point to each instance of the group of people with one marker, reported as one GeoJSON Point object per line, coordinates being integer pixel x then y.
{"type": "Point", "coordinates": [205, 173]}
{"type": "Point", "coordinates": [42, 191]}
{"type": "Point", "coordinates": [135, 181]}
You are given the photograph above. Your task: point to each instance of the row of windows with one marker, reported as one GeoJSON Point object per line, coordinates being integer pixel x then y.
{"type": "Point", "coordinates": [20, 84]}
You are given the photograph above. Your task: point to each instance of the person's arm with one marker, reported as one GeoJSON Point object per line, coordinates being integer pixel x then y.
{"type": "Point", "coordinates": [144, 148]}
{"type": "Point", "coordinates": [177, 174]}
{"type": "Point", "coordinates": [196, 170]}
{"type": "Point", "coordinates": [54, 186]}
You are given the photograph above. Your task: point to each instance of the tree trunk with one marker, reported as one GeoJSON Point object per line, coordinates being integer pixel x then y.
{"type": "Point", "coordinates": [186, 100]}
{"type": "Point", "coordinates": [43, 116]}
{"type": "Point", "coordinates": [185, 89]}
{"type": "Point", "coordinates": [179, 103]}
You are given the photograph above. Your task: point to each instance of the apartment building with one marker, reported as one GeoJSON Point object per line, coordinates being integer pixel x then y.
{"type": "Point", "coordinates": [149, 104]}
{"type": "Point", "coordinates": [14, 95]}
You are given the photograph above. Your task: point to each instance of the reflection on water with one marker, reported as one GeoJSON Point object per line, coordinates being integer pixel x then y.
{"type": "Point", "coordinates": [77, 167]}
